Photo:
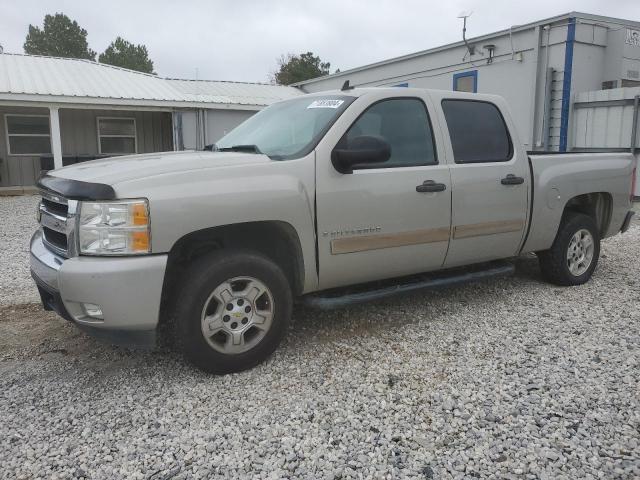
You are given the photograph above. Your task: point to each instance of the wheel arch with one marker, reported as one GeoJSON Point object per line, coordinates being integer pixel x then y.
{"type": "Point", "coordinates": [277, 240]}
{"type": "Point", "coordinates": [597, 205]}
{"type": "Point", "coordinates": [547, 218]}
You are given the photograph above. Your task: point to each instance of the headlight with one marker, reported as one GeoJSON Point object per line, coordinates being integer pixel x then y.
{"type": "Point", "coordinates": [114, 228]}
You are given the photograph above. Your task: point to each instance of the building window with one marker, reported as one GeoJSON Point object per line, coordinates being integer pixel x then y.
{"type": "Point", "coordinates": [466, 82]}
{"type": "Point", "coordinates": [629, 83]}
{"type": "Point", "coordinates": [117, 135]}
{"type": "Point", "coordinates": [28, 134]}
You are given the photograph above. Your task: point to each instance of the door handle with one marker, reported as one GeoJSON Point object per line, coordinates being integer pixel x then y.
{"type": "Point", "coordinates": [431, 186]}
{"type": "Point", "coordinates": [511, 179]}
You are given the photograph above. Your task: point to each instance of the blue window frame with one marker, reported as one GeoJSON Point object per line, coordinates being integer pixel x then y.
{"type": "Point", "coordinates": [472, 73]}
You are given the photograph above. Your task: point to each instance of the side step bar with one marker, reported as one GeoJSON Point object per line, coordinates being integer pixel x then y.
{"type": "Point", "coordinates": [337, 298]}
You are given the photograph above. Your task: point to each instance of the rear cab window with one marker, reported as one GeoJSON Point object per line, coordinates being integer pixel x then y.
{"type": "Point", "coordinates": [478, 131]}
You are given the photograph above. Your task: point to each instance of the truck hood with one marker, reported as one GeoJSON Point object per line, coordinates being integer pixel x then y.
{"type": "Point", "coordinates": [115, 170]}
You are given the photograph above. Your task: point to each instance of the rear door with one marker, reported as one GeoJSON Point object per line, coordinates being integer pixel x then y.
{"type": "Point", "coordinates": [490, 181]}
{"type": "Point", "coordinates": [375, 223]}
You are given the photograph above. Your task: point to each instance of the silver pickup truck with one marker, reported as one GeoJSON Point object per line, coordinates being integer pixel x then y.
{"type": "Point", "coordinates": [330, 199]}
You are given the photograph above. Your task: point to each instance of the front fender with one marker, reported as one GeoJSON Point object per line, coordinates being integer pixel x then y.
{"type": "Point", "coordinates": [185, 202]}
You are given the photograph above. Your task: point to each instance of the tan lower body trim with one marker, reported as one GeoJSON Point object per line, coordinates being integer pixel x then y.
{"type": "Point", "coordinates": [487, 228]}
{"type": "Point", "coordinates": [375, 242]}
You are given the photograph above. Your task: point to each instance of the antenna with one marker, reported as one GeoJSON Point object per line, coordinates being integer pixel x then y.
{"type": "Point", "coordinates": [346, 86]}
{"type": "Point", "coordinates": [490, 48]}
{"type": "Point", "coordinates": [464, 15]}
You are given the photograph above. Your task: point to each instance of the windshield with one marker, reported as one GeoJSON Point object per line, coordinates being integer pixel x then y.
{"type": "Point", "coordinates": [288, 129]}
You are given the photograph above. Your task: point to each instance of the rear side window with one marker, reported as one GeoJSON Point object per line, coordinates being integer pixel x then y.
{"type": "Point", "coordinates": [478, 131]}
{"type": "Point", "coordinates": [405, 124]}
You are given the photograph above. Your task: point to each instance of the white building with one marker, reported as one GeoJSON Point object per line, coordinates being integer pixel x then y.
{"type": "Point", "coordinates": [58, 111]}
{"type": "Point", "coordinates": [539, 68]}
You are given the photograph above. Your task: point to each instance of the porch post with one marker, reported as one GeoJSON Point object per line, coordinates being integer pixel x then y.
{"type": "Point", "coordinates": [56, 142]}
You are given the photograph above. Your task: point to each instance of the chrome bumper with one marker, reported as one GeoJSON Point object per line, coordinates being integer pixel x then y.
{"type": "Point", "coordinates": [44, 263]}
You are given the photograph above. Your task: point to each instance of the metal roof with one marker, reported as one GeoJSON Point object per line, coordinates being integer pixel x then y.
{"type": "Point", "coordinates": [232, 92]}
{"type": "Point", "coordinates": [70, 80]}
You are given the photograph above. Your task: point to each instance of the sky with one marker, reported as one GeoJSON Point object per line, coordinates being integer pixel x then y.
{"type": "Point", "coordinates": [241, 40]}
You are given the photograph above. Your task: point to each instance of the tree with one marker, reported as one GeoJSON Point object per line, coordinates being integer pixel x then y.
{"type": "Point", "coordinates": [296, 68]}
{"type": "Point", "coordinates": [59, 37]}
{"type": "Point", "coordinates": [127, 55]}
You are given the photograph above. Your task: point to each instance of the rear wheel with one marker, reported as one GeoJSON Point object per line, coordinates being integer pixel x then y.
{"type": "Point", "coordinates": [574, 254]}
{"type": "Point", "coordinates": [233, 311]}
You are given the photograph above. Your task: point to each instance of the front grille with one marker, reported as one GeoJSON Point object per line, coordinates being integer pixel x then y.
{"type": "Point", "coordinates": [56, 239]}
{"type": "Point", "coordinates": [61, 209]}
{"type": "Point", "coordinates": [57, 222]}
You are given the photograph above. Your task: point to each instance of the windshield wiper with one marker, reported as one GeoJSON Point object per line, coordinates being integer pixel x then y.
{"type": "Point", "coordinates": [240, 148]}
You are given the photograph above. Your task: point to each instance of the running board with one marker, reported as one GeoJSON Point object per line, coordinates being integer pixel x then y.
{"type": "Point", "coordinates": [337, 298]}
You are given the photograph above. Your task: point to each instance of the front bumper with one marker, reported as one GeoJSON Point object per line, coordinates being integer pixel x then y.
{"type": "Point", "coordinates": [127, 289]}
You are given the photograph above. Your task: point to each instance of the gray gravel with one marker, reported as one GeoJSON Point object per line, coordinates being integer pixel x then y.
{"type": "Point", "coordinates": [17, 222]}
{"type": "Point", "coordinates": [509, 378]}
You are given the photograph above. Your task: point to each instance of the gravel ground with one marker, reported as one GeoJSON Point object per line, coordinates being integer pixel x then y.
{"type": "Point", "coordinates": [508, 378]}
{"type": "Point", "coordinates": [17, 223]}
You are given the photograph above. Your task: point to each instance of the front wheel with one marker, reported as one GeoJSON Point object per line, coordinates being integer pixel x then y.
{"type": "Point", "coordinates": [574, 254]}
{"type": "Point", "coordinates": [233, 311]}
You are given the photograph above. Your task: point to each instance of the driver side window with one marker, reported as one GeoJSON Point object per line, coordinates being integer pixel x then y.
{"type": "Point", "coordinates": [404, 123]}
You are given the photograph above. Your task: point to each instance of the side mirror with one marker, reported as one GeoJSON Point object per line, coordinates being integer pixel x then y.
{"type": "Point", "coordinates": [360, 150]}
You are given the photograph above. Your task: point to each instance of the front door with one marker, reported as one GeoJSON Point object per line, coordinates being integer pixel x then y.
{"type": "Point", "coordinates": [379, 221]}
{"type": "Point", "coordinates": [491, 183]}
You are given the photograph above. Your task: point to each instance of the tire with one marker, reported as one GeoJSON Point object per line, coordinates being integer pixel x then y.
{"type": "Point", "coordinates": [227, 279]}
{"type": "Point", "coordinates": [563, 267]}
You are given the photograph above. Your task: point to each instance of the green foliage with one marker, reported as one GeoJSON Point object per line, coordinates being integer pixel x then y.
{"type": "Point", "coordinates": [59, 37]}
{"type": "Point", "coordinates": [127, 55]}
{"type": "Point", "coordinates": [296, 68]}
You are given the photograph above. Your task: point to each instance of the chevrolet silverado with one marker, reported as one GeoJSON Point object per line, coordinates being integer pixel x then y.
{"type": "Point", "coordinates": [330, 199]}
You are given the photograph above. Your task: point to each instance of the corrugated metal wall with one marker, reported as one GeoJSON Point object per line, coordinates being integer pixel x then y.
{"type": "Point", "coordinates": [604, 118]}
{"type": "Point", "coordinates": [79, 137]}
{"type": "Point", "coordinates": [221, 122]}
{"type": "Point", "coordinates": [204, 127]}
{"type": "Point", "coordinates": [79, 131]}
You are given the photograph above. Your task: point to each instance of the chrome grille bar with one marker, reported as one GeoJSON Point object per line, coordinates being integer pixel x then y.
{"type": "Point", "coordinates": [52, 221]}
{"type": "Point", "coordinates": [57, 222]}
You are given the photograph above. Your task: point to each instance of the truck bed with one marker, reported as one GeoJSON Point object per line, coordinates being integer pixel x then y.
{"type": "Point", "coordinates": [559, 177]}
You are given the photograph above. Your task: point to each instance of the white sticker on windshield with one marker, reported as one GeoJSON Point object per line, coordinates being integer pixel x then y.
{"type": "Point", "coordinates": [326, 103]}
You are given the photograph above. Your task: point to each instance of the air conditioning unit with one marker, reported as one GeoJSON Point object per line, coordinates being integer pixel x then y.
{"type": "Point", "coordinates": [633, 74]}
